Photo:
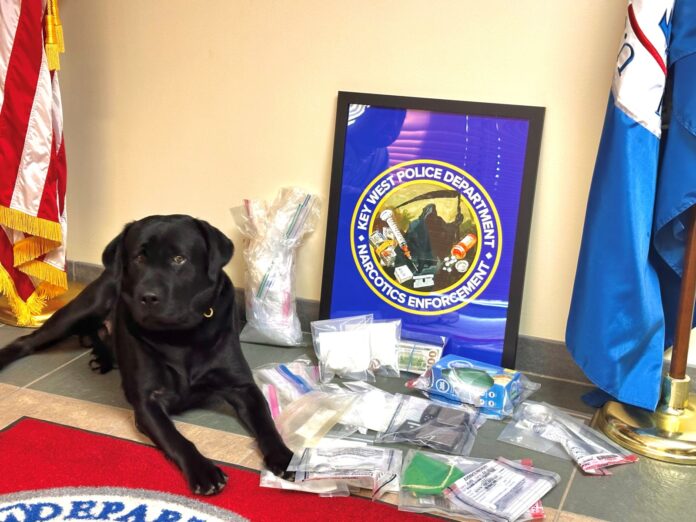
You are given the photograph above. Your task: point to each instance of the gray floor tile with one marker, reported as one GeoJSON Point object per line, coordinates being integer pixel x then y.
{"type": "Point", "coordinates": [547, 357]}
{"type": "Point", "coordinates": [646, 490]}
{"type": "Point", "coordinates": [78, 381]}
{"type": "Point", "coordinates": [28, 369]}
{"type": "Point", "coordinates": [218, 416]}
{"type": "Point", "coordinates": [561, 393]}
{"type": "Point", "coordinates": [260, 354]}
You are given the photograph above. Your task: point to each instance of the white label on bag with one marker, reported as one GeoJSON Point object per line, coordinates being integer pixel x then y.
{"type": "Point", "coordinates": [499, 489]}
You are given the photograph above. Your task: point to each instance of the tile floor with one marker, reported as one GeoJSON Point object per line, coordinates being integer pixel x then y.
{"type": "Point", "coordinates": [57, 385]}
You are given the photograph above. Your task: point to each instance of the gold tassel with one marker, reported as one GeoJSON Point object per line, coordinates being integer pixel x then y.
{"type": "Point", "coordinates": [59, 26]}
{"type": "Point", "coordinates": [51, 40]}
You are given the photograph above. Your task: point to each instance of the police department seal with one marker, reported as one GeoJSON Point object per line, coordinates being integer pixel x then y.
{"type": "Point", "coordinates": [414, 228]}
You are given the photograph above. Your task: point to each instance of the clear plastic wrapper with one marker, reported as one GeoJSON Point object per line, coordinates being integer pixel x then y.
{"type": "Point", "coordinates": [366, 467]}
{"type": "Point", "coordinates": [373, 408]}
{"type": "Point", "coordinates": [425, 476]}
{"type": "Point", "coordinates": [305, 421]}
{"type": "Point", "coordinates": [343, 348]}
{"type": "Point", "coordinates": [501, 490]}
{"type": "Point", "coordinates": [497, 391]}
{"type": "Point", "coordinates": [426, 473]}
{"type": "Point", "coordinates": [274, 233]}
{"type": "Point", "coordinates": [282, 383]}
{"type": "Point", "coordinates": [425, 423]}
{"type": "Point", "coordinates": [541, 427]}
{"type": "Point", "coordinates": [384, 347]}
{"type": "Point", "coordinates": [323, 488]}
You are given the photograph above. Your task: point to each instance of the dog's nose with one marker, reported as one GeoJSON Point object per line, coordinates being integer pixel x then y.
{"type": "Point", "coordinates": [149, 299]}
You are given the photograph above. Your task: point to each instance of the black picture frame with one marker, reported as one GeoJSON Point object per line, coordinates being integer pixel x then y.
{"type": "Point", "coordinates": [529, 117]}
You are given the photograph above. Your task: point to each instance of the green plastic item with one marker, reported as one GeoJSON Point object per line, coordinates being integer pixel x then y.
{"type": "Point", "coordinates": [427, 476]}
{"type": "Point", "coordinates": [470, 377]}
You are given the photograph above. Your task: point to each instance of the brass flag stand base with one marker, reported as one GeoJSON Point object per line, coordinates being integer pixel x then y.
{"type": "Point", "coordinates": [669, 433]}
{"type": "Point", "coordinates": [7, 317]}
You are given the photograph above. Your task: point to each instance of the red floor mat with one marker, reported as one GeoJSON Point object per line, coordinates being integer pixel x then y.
{"type": "Point", "coordinates": [37, 455]}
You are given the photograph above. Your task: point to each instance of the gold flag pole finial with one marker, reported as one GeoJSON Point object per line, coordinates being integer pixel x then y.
{"type": "Point", "coordinates": [51, 39]}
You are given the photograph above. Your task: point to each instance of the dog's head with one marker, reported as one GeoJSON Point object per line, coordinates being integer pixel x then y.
{"type": "Point", "coordinates": [169, 269]}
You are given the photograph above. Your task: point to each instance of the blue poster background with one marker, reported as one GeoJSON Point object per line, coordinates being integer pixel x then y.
{"type": "Point", "coordinates": [491, 150]}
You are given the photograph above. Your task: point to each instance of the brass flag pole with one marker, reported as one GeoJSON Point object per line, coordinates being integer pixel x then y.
{"type": "Point", "coordinates": [669, 433]}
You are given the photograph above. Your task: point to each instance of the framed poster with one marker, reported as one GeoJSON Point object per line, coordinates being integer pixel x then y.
{"type": "Point", "coordinates": [429, 215]}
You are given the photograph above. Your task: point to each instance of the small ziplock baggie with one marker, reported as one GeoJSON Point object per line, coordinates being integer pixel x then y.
{"type": "Point", "coordinates": [541, 427]}
{"type": "Point", "coordinates": [424, 423]}
{"type": "Point", "coordinates": [308, 419]}
{"type": "Point", "coordinates": [501, 490]}
{"type": "Point", "coordinates": [425, 476]}
{"type": "Point", "coordinates": [384, 347]}
{"type": "Point", "coordinates": [323, 488]}
{"type": "Point", "coordinates": [343, 348]}
{"type": "Point", "coordinates": [366, 467]}
{"type": "Point", "coordinates": [373, 408]}
{"type": "Point", "coordinates": [282, 383]}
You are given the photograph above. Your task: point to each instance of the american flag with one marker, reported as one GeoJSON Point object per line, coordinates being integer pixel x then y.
{"type": "Point", "coordinates": [32, 159]}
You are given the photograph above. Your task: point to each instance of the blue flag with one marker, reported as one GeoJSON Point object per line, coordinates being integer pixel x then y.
{"type": "Point", "coordinates": [626, 290]}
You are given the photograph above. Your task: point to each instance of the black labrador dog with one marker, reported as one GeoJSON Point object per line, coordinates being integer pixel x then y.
{"type": "Point", "coordinates": [174, 334]}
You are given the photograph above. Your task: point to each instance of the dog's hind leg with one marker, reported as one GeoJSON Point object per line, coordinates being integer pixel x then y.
{"type": "Point", "coordinates": [83, 314]}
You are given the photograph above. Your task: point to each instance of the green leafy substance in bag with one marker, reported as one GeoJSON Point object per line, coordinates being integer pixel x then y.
{"type": "Point", "coordinates": [427, 476]}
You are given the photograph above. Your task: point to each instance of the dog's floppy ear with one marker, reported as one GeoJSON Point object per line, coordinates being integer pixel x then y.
{"type": "Point", "coordinates": [112, 257]}
{"type": "Point", "coordinates": [220, 248]}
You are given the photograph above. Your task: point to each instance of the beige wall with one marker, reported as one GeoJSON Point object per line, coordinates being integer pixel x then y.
{"type": "Point", "coordinates": [184, 106]}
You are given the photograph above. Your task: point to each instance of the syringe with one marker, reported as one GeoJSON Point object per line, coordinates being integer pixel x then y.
{"type": "Point", "coordinates": [388, 216]}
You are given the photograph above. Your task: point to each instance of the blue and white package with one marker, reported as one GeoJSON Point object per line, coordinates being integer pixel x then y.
{"type": "Point", "coordinates": [456, 379]}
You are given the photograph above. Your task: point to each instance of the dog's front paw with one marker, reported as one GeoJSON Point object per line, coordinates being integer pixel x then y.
{"type": "Point", "coordinates": [277, 462]}
{"type": "Point", "coordinates": [205, 478]}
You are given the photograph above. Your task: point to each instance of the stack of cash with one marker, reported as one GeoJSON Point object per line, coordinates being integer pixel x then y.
{"type": "Point", "coordinates": [417, 357]}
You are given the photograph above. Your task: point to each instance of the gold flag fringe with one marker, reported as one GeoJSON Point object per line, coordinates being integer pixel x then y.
{"type": "Point", "coordinates": [26, 311]}
{"type": "Point", "coordinates": [47, 273]}
{"type": "Point", "coordinates": [46, 235]}
{"type": "Point", "coordinates": [35, 226]}
{"type": "Point", "coordinates": [32, 247]}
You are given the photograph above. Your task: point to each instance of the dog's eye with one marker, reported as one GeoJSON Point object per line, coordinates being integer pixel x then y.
{"type": "Point", "coordinates": [140, 258]}
{"type": "Point", "coordinates": [179, 260]}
